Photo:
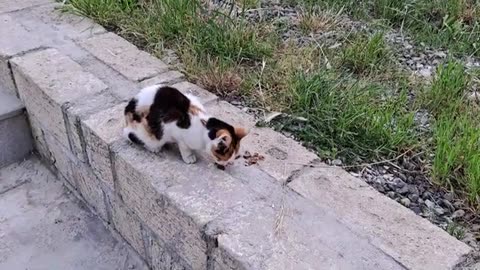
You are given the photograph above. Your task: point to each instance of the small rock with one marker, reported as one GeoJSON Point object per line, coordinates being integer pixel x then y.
{"type": "Point", "coordinates": [399, 183]}
{"type": "Point", "coordinates": [337, 162]}
{"type": "Point", "coordinates": [391, 194]}
{"type": "Point", "coordinates": [426, 195]}
{"type": "Point", "coordinates": [447, 204]}
{"type": "Point", "coordinates": [380, 181]}
{"type": "Point", "coordinates": [458, 214]}
{"type": "Point", "coordinates": [458, 204]}
{"type": "Point", "coordinates": [425, 72]}
{"type": "Point", "coordinates": [405, 201]}
{"type": "Point", "coordinates": [429, 203]}
{"type": "Point", "coordinates": [131, 266]}
{"type": "Point", "coordinates": [402, 176]}
{"type": "Point", "coordinates": [439, 211]}
{"type": "Point", "coordinates": [474, 96]}
{"type": "Point", "coordinates": [416, 209]}
{"type": "Point", "coordinates": [404, 190]}
{"type": "Point", "coordinates": [413, 197]}
{"type": "Point", "coordinates": [440, 54]}
{"type": "Point", "coordinates": [380, 188]}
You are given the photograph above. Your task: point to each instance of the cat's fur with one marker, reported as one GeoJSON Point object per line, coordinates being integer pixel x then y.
{"type": "Point", "coordinates": [161, 114]}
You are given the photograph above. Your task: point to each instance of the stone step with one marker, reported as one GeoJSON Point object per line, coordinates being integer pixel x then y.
{"type": "Point", "coordinates": [15, 135]}
{"type": "Point", "coordinates": [43, 226]}
{"type": "Point", "coordinates": [278, 214]}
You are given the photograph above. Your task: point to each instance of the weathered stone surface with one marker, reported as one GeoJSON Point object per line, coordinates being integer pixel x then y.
{"type": "Point", "coordinates": [61, 159]}
{"type": "Point", "coordinates": [159, 255]}
{"type": "Point", "coordinates": [283, 156]}
{"type": "Point", "coordinates": [38, 136]}
{"type": "Point", "coordinates": [190, 88]}
{"type": "Point", "coordinates": [100, 131]}
{"type": "Point", "coordinates": [13, 5]}
{"type": "Point", "coordinates": [70, 25]}
{"type": "Point", "coordinates": [230, 114]}
{"type": "Point", "coordinates": [124, 57]}
{"type": "Point", "coordinates": [174, 199]}
{"type": "Point", "coordinates": [118, 86]}
{"type": "Point", "coordinates": [46, 80]}
{"type": "Point", "coordinates": [128, 225]}
{"type": "Point", "coordinates": [287, 232]}
{"type": "Point", "coordinates": [412, 241]}
{"type": "Point", "coordinates": [15, 40]}
{"type": "Point", "coordinates": [167, 78]}
{"type": "Point", "coordinates": [91, 189]}
{"type": "Point", "coordinates": [80, 110]}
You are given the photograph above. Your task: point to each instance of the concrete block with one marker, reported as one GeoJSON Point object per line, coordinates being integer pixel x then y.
{"type": "Point", "coordinates": [80, 110]}
{"type": "Point", "coordinates": [118, 86]}
{"type": "Point", "coordinates": [190, 88]}
{"type": "Point", "coordinates": [46, 80]}
{"type": "Point", "coordinates": [174, 199]}
{"type": "Point", "coordinates": [15, 40]}
{"type": "Point", "coordinates": [283, 156]}
{"type": "Point", "coordinates": [161, 257]}
{"type": "Point", "coordinates": [61, 159]}
{"type": "Point", "coordinates": [124, 57]}
{"type": "Point", "coordinates": [230, 114]}
{"type": "Point", "coordinates": [13, 5]}
{"type": "Point", "coordinates": [100, 131]}
{"type": "Point", "coordinates": [6, 78]}
{"type": "Point", "coordinates": [288, 232]}
{"type": "Point", "coordinates": [167, 78]}
{"type": "Point", "coordinates": [70, 25]}
{"type": "Point", "coordinates": [396, 231]}
{"type": "Point", "coordinates": [91, 189]}
{"type": "Point", "coordinates": [128, 225]}
{"type": "Point", "coordinates": [38, 136]}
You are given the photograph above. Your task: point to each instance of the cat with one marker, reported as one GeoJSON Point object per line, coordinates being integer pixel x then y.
{"type": "Point", "coordinates": [161, 114]}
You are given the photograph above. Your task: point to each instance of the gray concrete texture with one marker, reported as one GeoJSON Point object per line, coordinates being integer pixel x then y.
{"type": "Point", "coordinates": [44, 226]}
{"type": "Point", "coordinates": [278, 214]}
{"type": "Point", "coordinates": [15, 138]}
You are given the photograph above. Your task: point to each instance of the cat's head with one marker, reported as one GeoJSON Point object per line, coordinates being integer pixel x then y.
{"type": "Point", "coordinates": [224, 143]}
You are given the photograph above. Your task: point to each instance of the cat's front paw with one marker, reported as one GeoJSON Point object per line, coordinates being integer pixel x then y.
{"type": "Point", "coordinates": [155, 150]}
{"type": "Point", "coordinates": [189, 159]}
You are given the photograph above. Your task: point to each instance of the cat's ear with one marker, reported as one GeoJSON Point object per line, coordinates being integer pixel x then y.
{"type": "Point", "coordinates": [240, 132]}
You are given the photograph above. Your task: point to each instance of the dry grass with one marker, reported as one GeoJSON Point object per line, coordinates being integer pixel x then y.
{"type": "Point", "coordinates": [314, 21]}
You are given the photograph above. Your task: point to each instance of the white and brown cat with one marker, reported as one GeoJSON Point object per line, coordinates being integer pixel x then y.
{"type": "Point", "coordinates": [160, 114]}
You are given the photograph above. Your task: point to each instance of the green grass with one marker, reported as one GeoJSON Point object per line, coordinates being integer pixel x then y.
{"type": "Point", "coordinates": [366, 54]}
{"type": "Point", "coordinates": [456, 132]}
{"type": "Point", "coordinates": [350, 119]}
{"type": "Point", "coordinates": [179, 23]}
{"type": "Point", "coordinates": [446, 93]}
{"type": "Point", "coordinates": [451, 24]}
